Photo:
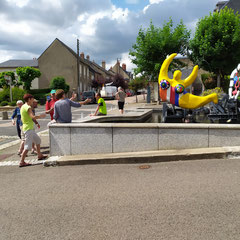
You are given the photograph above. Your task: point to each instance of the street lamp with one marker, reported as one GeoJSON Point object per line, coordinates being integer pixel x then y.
{"type": "Point", "coordinates": [9, 81]}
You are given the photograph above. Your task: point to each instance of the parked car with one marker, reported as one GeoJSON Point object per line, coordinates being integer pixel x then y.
{"type": "Point", "coordinates": [129, 93]}
{"type": "Point", "coordinates": [89, 94]}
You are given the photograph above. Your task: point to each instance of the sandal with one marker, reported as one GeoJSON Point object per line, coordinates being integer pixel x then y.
{"type": "Point", "coordinates": [25, 164]}
{"type": "Point", "coordinates": [43, 157]}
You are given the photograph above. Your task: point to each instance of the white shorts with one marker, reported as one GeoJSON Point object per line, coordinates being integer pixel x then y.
{"type": "Point", "coordinates": [30, 138]}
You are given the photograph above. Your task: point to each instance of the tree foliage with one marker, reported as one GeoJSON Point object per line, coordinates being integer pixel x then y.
{"type": "Point", "coordinates": [137, 84]}
{"type": "Point", "coordinates": [154, 44]}
{"type": "Point", "coordinates": [119, 81]}
{"type": "Point", "coordinates": [215, 46]}
{"type": "Point", "coordinates": [27, 75]}
{"type": "Point", "coordinates": [4, 83]}
{"type": "Point", "coordinates": [59, 83]}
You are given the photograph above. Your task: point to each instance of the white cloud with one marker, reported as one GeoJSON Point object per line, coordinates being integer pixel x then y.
{"type": "Point", "coordinates": [155, 1]}
{"type": "Point", "coordinates": [150, 3]}
{"type": "Point", "coordinates": [15, 27]}
{"type": "Point", "coordinates": [119, 14]}
{"type": "Point", "coordinates": [18, 3]}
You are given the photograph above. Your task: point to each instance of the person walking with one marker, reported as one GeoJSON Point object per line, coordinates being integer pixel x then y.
{"type": "Point", "coordinates": [101, 108]}
{"type": "Point", "coordinates": [120, 96]}
{"type": "Point", "coordinates": [27, 118]}
{"type": "Point", "coordinates": [16, 113]}
{"type": "Point", "coordinates": [18, 124]}
{"type": "Point", "coordinates": [62, 108]}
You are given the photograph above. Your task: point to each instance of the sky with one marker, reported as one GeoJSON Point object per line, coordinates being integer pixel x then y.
{"type": "Point", "coordinates": [107, 29]}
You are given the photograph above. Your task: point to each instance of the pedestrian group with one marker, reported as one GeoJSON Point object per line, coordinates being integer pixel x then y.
{"type": "Point", "coordinates": [59, 108]}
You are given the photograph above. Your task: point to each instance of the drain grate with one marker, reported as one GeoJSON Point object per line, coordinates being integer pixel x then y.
{"type": "Point", "coordinates": [144, 166]}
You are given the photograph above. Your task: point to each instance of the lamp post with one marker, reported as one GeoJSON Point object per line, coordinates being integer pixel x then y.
{"type": "Point", "coordinates": [9, 81]}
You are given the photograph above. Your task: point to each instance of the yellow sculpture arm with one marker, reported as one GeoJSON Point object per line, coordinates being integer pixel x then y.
{"type": "Point", "coordinates": [191, 78]}
{"type": "Point", "coordinates": [164, 68]}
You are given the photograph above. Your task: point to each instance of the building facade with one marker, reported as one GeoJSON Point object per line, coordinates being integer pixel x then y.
{"type": "Point", "coordinates": [12, 65]}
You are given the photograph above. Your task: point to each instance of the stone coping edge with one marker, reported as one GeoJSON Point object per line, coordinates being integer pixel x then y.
{"type": "Point", "coordinates": [147, 125]}
{"type": "Point", "coordinates": [145, 157]}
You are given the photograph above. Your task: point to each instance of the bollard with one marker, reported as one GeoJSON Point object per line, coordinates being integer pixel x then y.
{"type": "Point", "coordinates": [4, 115]}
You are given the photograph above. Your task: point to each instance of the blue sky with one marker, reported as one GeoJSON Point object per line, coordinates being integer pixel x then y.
{"type": "Point", "coordinates": [133, 5]}
{"type": "Point", "coordinates": [107, 29]}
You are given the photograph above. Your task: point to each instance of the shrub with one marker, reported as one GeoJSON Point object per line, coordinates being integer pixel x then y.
{"type": "Point", "coordinates": [209, 80]}
{"type": "Point", "coordinates": [4, 95]}
{"type": "Point", "coordinates": [216, 90]}
{"type": "Point", "coordinates": [13, 103]}
{"type": "Point", "coordinates": [59, 83]}
{"type": "Point", "coordinates": [37, 91]}
{"type": "Point", "coordinates": [18, 93]}
{"type": "Point", "coordinates": [4, 103]}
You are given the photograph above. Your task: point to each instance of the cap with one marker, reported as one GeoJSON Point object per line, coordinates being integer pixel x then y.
{"type": "Point", "coordinates": [53, 91]}
{"type": "Point", "coordinates": [19, 102]}
{"type": "Point", "coordinates": [35, 100]}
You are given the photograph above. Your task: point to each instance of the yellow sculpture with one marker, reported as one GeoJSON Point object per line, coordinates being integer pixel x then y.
{"type": "Point", "coordinates": [173, 90]}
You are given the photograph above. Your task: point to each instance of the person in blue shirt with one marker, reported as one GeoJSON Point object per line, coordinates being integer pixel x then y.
{"type": "Point", "coordinates": [16, 113]}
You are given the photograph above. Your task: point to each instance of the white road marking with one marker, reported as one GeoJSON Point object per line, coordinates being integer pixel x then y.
{"type": "Point", "coordinates": [16, 163]}
{"type": "Point", "coordinates": [9, 137]}
{"type": "Point", "coordinates": [10, 144]}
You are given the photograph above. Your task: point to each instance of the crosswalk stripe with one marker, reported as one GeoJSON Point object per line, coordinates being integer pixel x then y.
{"type": "Point", "coordinates": [16, 163]}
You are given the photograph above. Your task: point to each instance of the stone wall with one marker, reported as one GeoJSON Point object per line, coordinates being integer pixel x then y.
{"type": "Point", "coordinates": [93, 138]}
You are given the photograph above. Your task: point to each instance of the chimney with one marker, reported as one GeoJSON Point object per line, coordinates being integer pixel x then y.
{"type": "Point", "coordinates": [104, 64]}
{"type": "Point", "coordinates": [124, 67]}
{"type": "Point", "coordinates": [82, 55]}
{"type": "Point", "coordinates": [88, 58]}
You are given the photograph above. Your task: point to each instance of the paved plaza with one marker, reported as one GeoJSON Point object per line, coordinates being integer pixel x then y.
{"type": "Point", "coordinates": [176, 200]}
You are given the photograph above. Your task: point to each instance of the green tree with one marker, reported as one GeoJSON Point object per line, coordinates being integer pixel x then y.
{"type": "Point", "coordinates": [215, 46]}
{"type": "Point", "coordinates": [154, 44]}
{"type": "Point", "coordinates": [4, 83]}
{"type": "Point", "coordinates": [59, 83]}
{"type": "Point", "coordinates": [137, 84]}
{"type": "Point", "coordinates": [27, 75]}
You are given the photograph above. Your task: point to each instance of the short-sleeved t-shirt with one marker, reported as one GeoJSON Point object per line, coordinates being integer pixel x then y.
{"type": "Point", "coordinates": [27, 121]}
{"type": "Point", "coordinates": [50, 104]}
{"type": "Point", "coordinates": [122, 96]}
{"type": "Point", "coordinates": [102, 106]}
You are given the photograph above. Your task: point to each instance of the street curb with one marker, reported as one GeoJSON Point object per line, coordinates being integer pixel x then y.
{"type": "Point", "coordinates": [146, 157]}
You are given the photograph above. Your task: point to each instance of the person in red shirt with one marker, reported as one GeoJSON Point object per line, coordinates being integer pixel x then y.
{"type": "Point", "coordinates": [50, 104]}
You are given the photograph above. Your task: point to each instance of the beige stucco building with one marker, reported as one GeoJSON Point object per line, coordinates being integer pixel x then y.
{"type": "Point", "coordinates": [60, 60]}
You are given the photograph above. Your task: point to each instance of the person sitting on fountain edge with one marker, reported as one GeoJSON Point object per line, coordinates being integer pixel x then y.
{"type": "Point", "coordinates": [101, 108]}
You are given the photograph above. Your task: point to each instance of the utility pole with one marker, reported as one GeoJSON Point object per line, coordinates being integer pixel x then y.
{"type": "Point", "coordinates": [78, 74]}
{"type": "Point", "coordinates": [9, 81]}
